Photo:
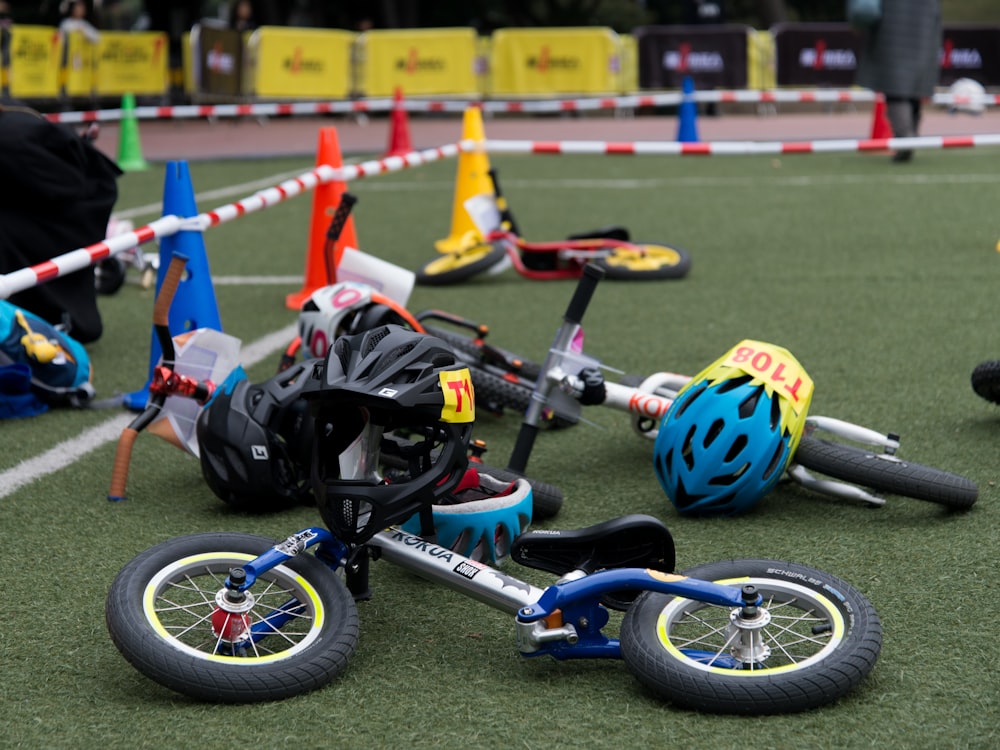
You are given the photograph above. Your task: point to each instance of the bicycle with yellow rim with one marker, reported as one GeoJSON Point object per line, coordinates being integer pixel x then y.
{"type": "Point", "coordinates": [500, 246]}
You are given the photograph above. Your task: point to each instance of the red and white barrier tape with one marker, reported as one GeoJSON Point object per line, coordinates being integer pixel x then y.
{"type": "Point", "coordinates": [322, 175]}
{"type": "Point", "coordinates": [26, 278]}
{"type": "Point", "coordinates": [75, 260]}
{"type": "Point", "coordinates": [629, 101]}
{"type": "Point", "coordinates": [725, 147]}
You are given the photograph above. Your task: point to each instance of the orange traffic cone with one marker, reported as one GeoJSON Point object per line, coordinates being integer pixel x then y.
{"type": "Point", "coordinates": [472, 179]}
{"type": "Point", "coordinates": [326, 197]}
{"type": "Point", "coordinates": [880, 122]}
{"type": "Point", "coordinates": [399, 133]}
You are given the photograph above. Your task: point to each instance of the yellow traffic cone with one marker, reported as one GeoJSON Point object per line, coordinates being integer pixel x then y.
{"type": "Point", "coordinates": [471, 179]}
{"type": "Point", "coordinates": [129, 149]}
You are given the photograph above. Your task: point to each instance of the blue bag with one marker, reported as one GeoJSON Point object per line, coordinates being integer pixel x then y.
{"type": "Point", "coordinates": [39, 361]}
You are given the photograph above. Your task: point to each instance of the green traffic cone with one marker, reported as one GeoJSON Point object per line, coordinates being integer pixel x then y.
{"type": "Point", "coordinates": [129, 149]}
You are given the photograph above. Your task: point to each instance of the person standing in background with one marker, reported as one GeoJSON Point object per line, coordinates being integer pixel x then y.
{"type": "Point", "coordinates": [75, 14]}
{"type": "Point", "coordinates": [900, 59]}
{"type": "Point", "coordinates": [242, 18]}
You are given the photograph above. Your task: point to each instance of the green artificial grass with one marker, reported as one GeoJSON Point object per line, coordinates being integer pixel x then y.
{"type": "Point", "coordinates": [880, 278]}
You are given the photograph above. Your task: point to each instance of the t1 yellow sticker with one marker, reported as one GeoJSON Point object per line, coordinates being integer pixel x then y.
{"type": "Point", "coordinates": [459, 397]}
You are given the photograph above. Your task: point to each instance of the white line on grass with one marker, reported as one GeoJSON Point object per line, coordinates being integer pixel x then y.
{"type": "Point", "coordinates": [72, 450]}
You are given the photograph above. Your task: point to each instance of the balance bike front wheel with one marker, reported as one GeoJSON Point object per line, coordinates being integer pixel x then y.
{"type": "Point", "coordinates": [297, 633]}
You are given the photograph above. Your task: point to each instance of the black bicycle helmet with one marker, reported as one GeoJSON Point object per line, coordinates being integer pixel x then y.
{"type": "Point", "coordinates": [387, 379]}
{"type": "Point", "coordinates": [255, 442]}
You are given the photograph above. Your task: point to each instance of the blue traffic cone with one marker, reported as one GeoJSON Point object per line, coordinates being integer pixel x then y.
{"type": "Point", "coordinates": [194, 304]}
{"type": "Point", "coordinates": [687, 129]}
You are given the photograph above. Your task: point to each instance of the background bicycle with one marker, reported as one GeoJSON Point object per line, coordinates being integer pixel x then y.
{"type": "Point", "coordinates": [498, 246]}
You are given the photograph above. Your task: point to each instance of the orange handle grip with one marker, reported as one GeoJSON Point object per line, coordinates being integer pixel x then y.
{"type": "Point", "coordinates": [171, 280]}
{"type": "Point", "coordinates": [123, 456]}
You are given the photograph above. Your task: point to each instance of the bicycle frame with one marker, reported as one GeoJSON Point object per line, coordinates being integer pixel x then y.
{"type": "Point", "coordinates": [561, 389]}
{"type": "Point", "coordinates": [564, 620]}
{"type": "Point", "coordinates": [573, 254]}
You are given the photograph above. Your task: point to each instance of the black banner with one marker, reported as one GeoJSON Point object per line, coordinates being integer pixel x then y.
{"type": "Point", "coordinates": [826, 55]}
{"type": "Point", "coordinates": [713, 56]}
{"type": "Point", "coordinates": [814, 54]}
{"type": "Point", "coordinates": [970, 52]}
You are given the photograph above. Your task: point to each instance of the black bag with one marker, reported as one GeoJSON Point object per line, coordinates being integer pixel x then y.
{"type": "Point", "coordinates": [57, 191]}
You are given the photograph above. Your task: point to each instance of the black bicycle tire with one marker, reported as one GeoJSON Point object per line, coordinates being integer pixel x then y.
{"type": "Point", "coordinates": [676, 270]}
{"type": "Point", "coordinates": [851, 628]}
{"type": "Point", "coordinates": [498, 393]}
{"type": "Point", "coordinates": [109, 275]}
{"type": "Point", "coordinates": [232, 680]}
{"type": "Point", "coordinates": [887, 474]}
{"type": "Point", "coordinates": [986, 380]}
{"type": "Point", "coordinates": [471, 353]}
{"type": "Point", "coordinates": [427, 276]}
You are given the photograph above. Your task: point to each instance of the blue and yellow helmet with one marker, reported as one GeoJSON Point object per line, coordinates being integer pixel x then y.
{"type": "Point", "coordinates": [730, 433]}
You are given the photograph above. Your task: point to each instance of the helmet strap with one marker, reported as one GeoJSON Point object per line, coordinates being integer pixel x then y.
{"type": "Point", "coordinates": [427, 530]}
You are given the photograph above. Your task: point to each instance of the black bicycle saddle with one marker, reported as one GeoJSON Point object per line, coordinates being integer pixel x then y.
{"type": "Point", "coordinates": [633, 541]}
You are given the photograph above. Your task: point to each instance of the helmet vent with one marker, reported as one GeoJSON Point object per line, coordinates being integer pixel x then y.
{"type": "Point", "coordinates": [738, 446]}
{"type": "Point", "coordinates": [731, 384]}
{"type": "Point", "coordinates": [342, 349]}
{"type": "Point", "coordinates": [724, 480]}
{"type": "Point", "coordinates": [714, 431]}
{"type": "Point", "coordinates": [686, 452]}
{"type": "Point", "coordinates": [443, 359]}
{"type": "Point", "coordinates": [682, 498]}
{"type": "Point", "coordinates": [775, 413]}
{"type": "Point", "coordinates": [749, 405]}
{"type": "Point", "coordinates": [689, 399]}
{"type": "Point", "coordinates": [777, 462]}
{"type": "Point", "coordinates": [373, 340]}
{"type": "Point", "coordinates": [386, 360]}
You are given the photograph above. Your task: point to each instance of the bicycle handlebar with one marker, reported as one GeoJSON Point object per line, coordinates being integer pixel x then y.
{"type": "Point", "coordinates": [161, 319]}
{"type": "Point", "coordinates": [572, 319]}
{"type": "Point", "coordinates": [585, 289]}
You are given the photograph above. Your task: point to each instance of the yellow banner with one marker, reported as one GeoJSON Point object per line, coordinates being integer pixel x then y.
{"type": "Point", "coordinates": [300, 63]}
{"type": "Point", "coordinates": [79, 54]}
{"type": "Point", "coordinates": [420, 62]}
{"type": "Point", "coordinates": [136, 62]}
{"type": "Point", "coordinates": [35, 62]}
{"type": "Point", "coordinates": [556, 61]}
